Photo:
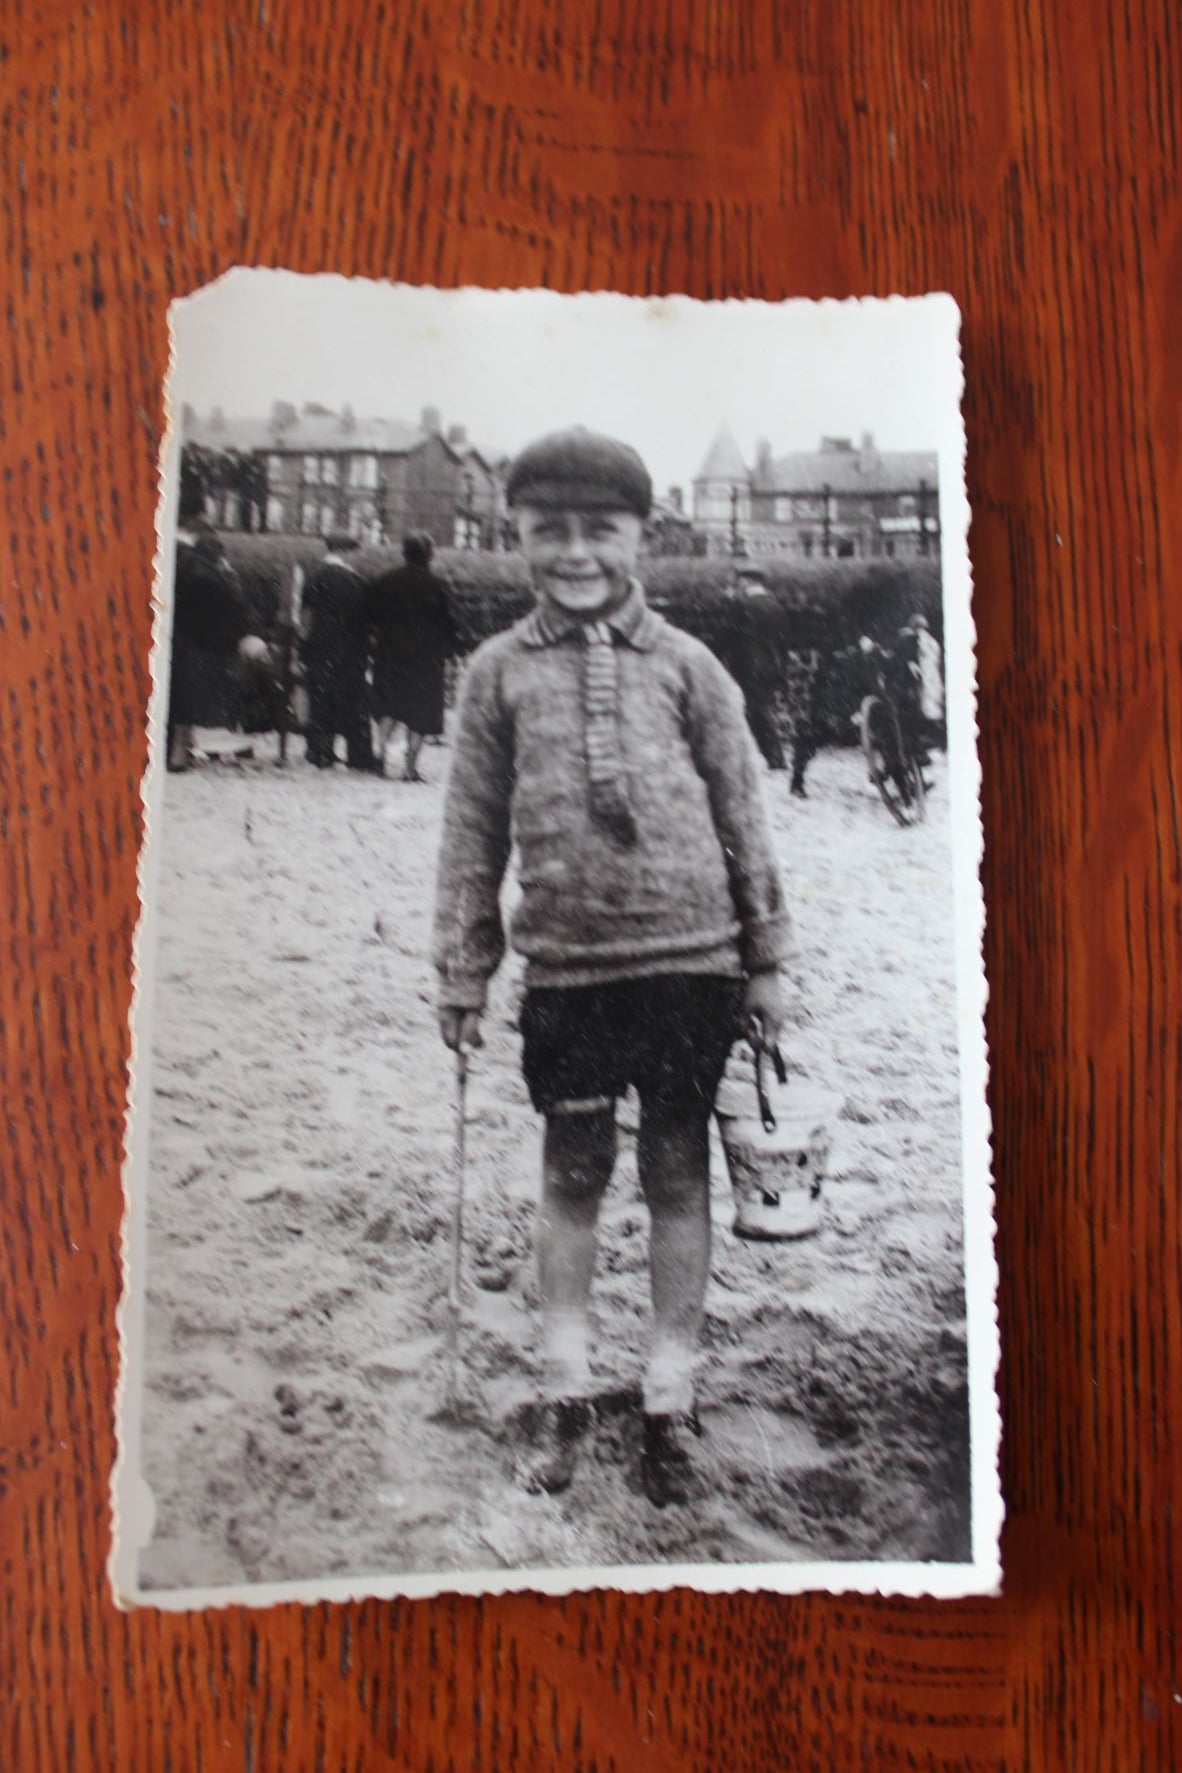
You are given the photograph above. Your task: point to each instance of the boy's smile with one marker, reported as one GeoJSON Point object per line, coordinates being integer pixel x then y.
{"type": "Point", "coordinates": [581, 559]}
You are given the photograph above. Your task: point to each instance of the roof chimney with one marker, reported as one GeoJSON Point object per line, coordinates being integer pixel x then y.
{"type": "Point", "coordinates": [867, 454]}
{"type": "Point", "coordinates": [763, 455]}
{"type": "Point", "coordinates": [677, 499]}
{"type": "Point", "coordinates": [431, 421]}
{"type": "Point", "coordinates": [457, 436]}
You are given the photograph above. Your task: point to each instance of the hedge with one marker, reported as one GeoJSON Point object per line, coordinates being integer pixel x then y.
{"type": "Point", "coordinates": [825, 602]}
{"type": "Point", "coordinates": [488, 591]}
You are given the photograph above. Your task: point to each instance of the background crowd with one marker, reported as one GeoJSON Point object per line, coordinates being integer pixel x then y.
{"type": "Point", "coordinates": [359, 655]}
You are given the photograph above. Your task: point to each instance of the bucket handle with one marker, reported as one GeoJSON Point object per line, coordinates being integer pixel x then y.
{"type": "Point", "coordinates": [763, 1052]}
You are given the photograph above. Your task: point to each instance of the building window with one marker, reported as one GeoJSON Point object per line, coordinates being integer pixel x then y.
{"type": "Point", "coordinates": [907, 506]}
{"type": "Point", "coordinates": [276, 513]}
{"type": "Point", "coordinates": [888, 548]}
{"type": "Point", "coordinates": [309, 517]}
{"type": "Point", "coordinates": [311, 471]}
{"type": "Point", "coordinates": [328, 518]}
{"type": "Point", "coordinates": [468, 534]}
{"type": "Point", "coordinates": [845, 549]}
{"type": "Point", "coordinates": [363, 523]}
{"type": "Point", "coordinates": [328, 471]}
{"type": "Point", "coordinates": [806, 544]}
{"type": "Point", "coordinates": [783, 510]}
{"type": "Point", "coordinates": [275, 467]}
{"type": "Point", "coordinates": [231, 511]}
{"type": "Point", "coordinates": [363, 472]}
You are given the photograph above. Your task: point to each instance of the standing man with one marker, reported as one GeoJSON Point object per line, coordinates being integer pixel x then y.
{"type": "Point", "coordinates": [334, 646]}
{"type": "Point", "coordinates": [840, 683]}
{"type": "Point", "coordinates": [921, 693]}
{"type": "Point", "coordinates": [754, 656]}
{"type": "Point", "coordinates": [816, 717]}
{"type": "Point", "coordinates": [612, 750]}
{"type": "Point", "coordinates": [414, 637]}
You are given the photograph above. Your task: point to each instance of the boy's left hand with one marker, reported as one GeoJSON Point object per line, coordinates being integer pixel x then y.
{"type": "Point", "coordinates": [763, 1002]}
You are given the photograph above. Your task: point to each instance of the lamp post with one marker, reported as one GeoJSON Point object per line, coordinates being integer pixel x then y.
{"type": "Point", "coordinates": [738, 542]}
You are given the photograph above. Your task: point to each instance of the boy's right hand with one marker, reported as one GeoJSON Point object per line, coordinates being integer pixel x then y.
{"type": "Point", "coordinates": [460, 1028]}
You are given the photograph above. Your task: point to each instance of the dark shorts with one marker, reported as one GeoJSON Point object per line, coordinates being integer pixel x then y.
{"type": "Point", "coordinates": [669, 1036]}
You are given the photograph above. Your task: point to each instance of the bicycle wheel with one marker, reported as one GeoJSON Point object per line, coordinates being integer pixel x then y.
{"type": "Point", "coordinates": [896, 776]}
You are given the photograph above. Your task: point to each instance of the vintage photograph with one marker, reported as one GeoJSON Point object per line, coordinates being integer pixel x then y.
{"type": "Point", "coordinates": [558, 1151]}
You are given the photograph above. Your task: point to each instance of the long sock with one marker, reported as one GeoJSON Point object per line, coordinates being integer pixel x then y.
{"type": "Point", "coordinates": [669, 1377]}
{"type": "Point", "coordinates": [566, 1358]}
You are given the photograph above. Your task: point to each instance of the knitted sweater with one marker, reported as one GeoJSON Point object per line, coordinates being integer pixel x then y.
{"type": "Point", "coordinates": [699, 891]}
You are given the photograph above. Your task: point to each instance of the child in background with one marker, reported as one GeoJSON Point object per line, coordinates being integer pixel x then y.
{"type": "Point", "coordinates": [614, 752]}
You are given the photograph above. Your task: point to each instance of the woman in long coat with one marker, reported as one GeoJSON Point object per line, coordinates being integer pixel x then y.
{"type": "Point", "coordinates": [414, 637]}
{"type": "Point", "coordinates": [212, 638]}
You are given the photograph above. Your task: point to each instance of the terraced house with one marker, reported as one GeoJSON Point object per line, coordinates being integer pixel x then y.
{"type": "Point", "coordinates": [310, 472]}
{"type": "Point", "coordinates": [843, 501]}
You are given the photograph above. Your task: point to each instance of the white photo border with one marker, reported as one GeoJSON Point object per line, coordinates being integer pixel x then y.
{"type": "Point", "coordinates": [131, 1500]}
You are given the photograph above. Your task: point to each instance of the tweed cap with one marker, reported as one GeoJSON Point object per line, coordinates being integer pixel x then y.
{"type": "Point", "coordinates": [583, 470]}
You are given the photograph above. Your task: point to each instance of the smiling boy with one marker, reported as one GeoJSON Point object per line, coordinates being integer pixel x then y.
{"type": "Point", "coordinates": [613, 752]}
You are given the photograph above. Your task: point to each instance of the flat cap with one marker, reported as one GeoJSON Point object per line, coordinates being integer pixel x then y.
{"type": "Point", "coordinates": [583, 470]}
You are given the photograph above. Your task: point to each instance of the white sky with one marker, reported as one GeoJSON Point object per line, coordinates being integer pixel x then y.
{"type": "Point", "coordinates": [662, 373]}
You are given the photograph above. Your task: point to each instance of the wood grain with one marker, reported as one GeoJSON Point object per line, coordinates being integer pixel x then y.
{"type": "Point", "coordinates": [1024, 156]}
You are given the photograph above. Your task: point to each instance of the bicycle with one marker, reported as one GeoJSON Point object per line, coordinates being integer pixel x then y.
{"type": "Point", "coordinates": [895, 768]}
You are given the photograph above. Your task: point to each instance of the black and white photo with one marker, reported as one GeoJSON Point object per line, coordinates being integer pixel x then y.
{"type": "Point", "coordinates": [558, 1151]}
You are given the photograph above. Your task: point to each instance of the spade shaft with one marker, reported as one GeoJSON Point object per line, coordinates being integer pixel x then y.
{"type": "Point", "coordinates": [452, 1345]}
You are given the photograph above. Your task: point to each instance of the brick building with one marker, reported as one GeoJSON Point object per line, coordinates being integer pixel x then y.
{"type": "Point", "coordinates": [310, 472]}
{"type": "Point", "coordinates": [840, 501]}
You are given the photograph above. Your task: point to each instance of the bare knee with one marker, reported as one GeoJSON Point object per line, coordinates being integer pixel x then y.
{"type": "Point", "coordinates": [579, 1154]}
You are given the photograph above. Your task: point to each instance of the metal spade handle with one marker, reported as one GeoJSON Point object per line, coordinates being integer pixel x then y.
{"type": "Point", "coordinates": [763, 1052]}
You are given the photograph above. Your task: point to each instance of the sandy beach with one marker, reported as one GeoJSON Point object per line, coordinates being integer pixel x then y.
{"type": "Point", "coordinates": [302, 1120]}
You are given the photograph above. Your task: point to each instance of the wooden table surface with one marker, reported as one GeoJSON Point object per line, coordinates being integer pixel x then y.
{"type": "Point", "coordinates": [1024, 156]}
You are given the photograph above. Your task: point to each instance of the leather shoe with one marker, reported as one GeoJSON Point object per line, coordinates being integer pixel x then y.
{"type": "Point", "coordinates": [666, 1465]}
{"type": "Point", "coordinates": [563, 1423]}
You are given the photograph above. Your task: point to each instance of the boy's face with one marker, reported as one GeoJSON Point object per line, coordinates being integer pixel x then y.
{"type": "Point", "coordinates": [581, 560]}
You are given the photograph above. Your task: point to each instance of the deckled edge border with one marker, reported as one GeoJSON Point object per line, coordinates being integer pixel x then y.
{"type": "Point", "coordinates": [130, 1497]}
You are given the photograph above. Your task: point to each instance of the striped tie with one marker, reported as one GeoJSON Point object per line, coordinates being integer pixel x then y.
{"type": "Point", "coordinates": [605, 766]}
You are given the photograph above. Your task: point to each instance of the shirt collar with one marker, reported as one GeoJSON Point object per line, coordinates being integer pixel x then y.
{"type": "Point", "coordinates": [632, 622]}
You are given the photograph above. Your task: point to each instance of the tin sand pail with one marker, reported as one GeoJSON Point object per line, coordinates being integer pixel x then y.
{"type": "Point", "coordinates": [776, 1139]}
